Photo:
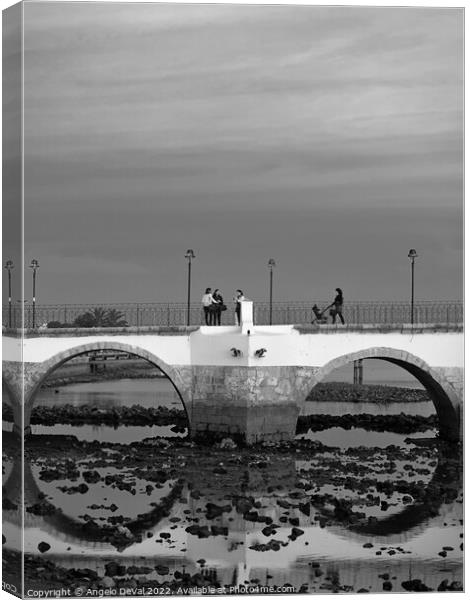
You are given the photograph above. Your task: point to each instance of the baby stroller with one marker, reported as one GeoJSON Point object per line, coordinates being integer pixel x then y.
{"type": "Point", "coordinates": [319, 318]}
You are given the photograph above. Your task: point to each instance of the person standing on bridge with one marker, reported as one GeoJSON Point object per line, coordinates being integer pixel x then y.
{"type": "Point", "coordinates": [337, 306]}
{"type": "Point", "coordinates": [218, 307]}
{"type": "Point", "coordinates": [239, 297]}
{"type": "Point", "coordinates": [207, 302]}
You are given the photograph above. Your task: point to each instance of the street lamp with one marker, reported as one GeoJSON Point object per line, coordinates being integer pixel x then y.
{"type": "Point", "coordinates": [271, 265]}
{"type": "Point", "coordinates": [9, 266]}
{"type": "Point", "coordinates": [35, 266]}
{"type": "Point", "coordinates": [189, 255]}
{"type": "Point", "coordinates": [412, 254]}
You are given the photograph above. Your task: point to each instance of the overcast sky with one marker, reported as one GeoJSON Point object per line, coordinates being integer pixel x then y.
{"type": "Point", "coordinates": [327, 138]}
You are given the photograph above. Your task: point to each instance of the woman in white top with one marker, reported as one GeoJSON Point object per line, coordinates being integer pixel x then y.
{"type": "Point", "coordinates": [207, 302]}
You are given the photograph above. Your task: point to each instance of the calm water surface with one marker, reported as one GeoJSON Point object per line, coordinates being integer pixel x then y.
{"type": "Point", "coordinates": [405, 543]}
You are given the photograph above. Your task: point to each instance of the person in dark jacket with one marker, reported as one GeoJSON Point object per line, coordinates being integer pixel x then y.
{"type": "Point", "coordinates": [337, 306]}
{"type": "Point", "coordinates": [239, 297]}
{"type": "Point", "coordinates": [207, 303]}
{"type": "Point", "coordinates": [218, 305]}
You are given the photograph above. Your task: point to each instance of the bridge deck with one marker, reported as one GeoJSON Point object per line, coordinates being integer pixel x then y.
{"type": "Point", "coordinates": [406, 328]}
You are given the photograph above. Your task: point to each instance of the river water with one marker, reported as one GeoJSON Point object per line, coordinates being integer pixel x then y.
{"type": "Point", "coordinates": [159, 392]}
{"type": "Point", "coordinates": [409, 508]}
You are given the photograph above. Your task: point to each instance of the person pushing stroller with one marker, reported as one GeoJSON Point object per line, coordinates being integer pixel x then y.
{"type": "Point", "coordinates": [336, 310]}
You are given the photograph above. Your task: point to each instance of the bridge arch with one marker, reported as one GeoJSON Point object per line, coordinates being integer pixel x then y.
{"type": "Point", "coordinates": [443, 395]}
{"type": "Point", "coordinates": [47, 367]}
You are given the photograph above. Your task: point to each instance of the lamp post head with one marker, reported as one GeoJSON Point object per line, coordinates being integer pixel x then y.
{"type": "Point", "coordinates": [271, 263]}
{"type": "Point", "coordinates": [190, 254]}
{"type": "Point", "coordinates": [9, 265]}
{"type": "Point", "coordinates": [34, 264]}
{"type": "Point", "coordinates": [412, 254]}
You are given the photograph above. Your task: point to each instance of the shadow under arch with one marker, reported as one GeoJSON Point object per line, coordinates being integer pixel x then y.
{"type": "Point", "coordinates": [53, 363]}
{"type": "Point", "coordinates": [444, 397]}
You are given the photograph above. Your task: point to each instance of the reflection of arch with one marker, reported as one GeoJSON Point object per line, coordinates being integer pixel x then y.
{"type": "Point", "coordinates": [14, 403]}
{"type": "Point", "coordinates": [394, 528]}
{"type": "Point", "coordinates": [256, 483]}
{"type": "Point", "coordinates": [69, 526]}
{"type": "Point", "coordinates": [53, 363]}
{"type": "Point", "coordinates": [9, 397]}
{"type": "Point", "coordinates": [441, 392]}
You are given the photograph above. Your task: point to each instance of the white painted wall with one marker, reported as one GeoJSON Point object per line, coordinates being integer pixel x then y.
{"type": "Point", "coordinates": [170, 349]}
{"type": "Point", "coordinates": [285, 346]}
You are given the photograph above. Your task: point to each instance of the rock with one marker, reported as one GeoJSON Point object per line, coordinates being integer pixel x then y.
{"type": "Point", "coordinates": [113, 569]}
{"type": "Point", "coordinates": [43, 547]}
{"type": "Point", "coordinates": [91, 476]}
{"type": "Point", "coordinates": [442, 587]}
{"type": "Point", "coordinates": [216, 530]}
{"type": "Point", "coordinates": [295, 533]}
{"type": "Point", "coordinates": [107, 582]}
{"type": "Point", "coordinates": [415, 585]}
{"type": "Point", "coordinates": [269, 530]}
{"type": "Point", "coordinates": [243, 505]}
{"type": "Point", "coordinates": [387, 586]}
{"type": "Point", "coordinates": [213, 510]}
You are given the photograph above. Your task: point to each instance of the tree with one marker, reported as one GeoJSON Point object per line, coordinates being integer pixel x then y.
{"type": "Point", "coordinates": [115, 318]}
{"type": "Point", "coordinates": [101, 317]}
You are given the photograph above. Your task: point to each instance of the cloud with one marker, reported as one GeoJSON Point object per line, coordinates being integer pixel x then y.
{"type": "Point", "coordinates": [156, 114]}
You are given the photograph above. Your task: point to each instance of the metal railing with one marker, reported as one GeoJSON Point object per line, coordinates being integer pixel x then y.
{"type": "Point", "coordinates": [283, 313]}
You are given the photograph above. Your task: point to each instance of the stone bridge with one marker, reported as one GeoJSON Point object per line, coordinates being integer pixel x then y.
{"type": "Point", "coordinates": [248, 380]}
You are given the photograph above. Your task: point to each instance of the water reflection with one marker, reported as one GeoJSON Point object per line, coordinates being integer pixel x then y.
{"type": "Point", "coordinates": [251, 497]}
{"type": "Point", "coordinates": [320, 518]}
{"type": "Point", "coordinates": [105, 433]}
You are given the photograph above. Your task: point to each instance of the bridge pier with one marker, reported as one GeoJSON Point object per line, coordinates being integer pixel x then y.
{"type": "Point", "coordinates": [258, 403]}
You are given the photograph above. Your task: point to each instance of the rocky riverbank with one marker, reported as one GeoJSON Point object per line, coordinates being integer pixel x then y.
{"type": "Point", "coordinates": [107, 371]}
{"type": "Point", "coordinates": [378, 394]}
{"type": "Point", "coordinates": [401, 423]}
{"type": "Point", "coordinates": [68, 414]}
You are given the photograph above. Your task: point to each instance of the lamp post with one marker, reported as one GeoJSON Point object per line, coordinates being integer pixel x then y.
{"type": "Point", "coordinates": [35, 266]}
{"type": "Point", "coordinates": [9, 266]}
{"type": "Point", "coordinates": [189, 255]}
{"type": "Point", "coordinates": [271, 265]}
{"type": "Point", "coordinates": [412, 254]}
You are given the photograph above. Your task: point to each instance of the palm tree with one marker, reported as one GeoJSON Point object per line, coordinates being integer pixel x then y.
{"type": "Point", "coordinates": [114, 318]}
{"type": "Point", "coordinates": [92, 318]}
